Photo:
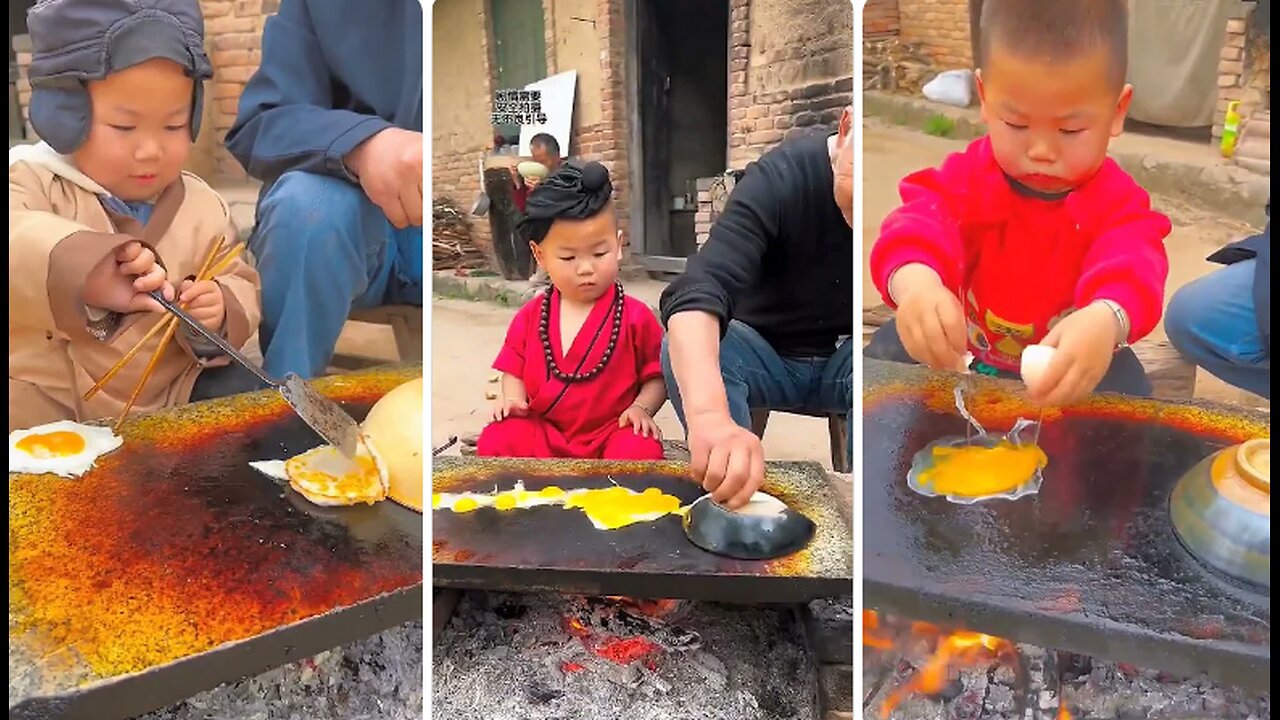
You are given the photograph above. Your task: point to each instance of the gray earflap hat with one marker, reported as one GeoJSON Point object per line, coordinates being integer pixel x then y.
{"type": "Point", "coordinates": [75, 41]}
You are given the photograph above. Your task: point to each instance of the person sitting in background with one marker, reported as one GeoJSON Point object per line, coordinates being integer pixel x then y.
{"type": "Point", "coordinates": [331, 123]}
{"type": "Point", "coordinates": [1222, 321]}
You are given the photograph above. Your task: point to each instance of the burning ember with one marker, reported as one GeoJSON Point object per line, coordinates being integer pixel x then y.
{"type": "Point", "coordinates": [625, 631]}
{"type": "Point", "coordinates": [948, 653]}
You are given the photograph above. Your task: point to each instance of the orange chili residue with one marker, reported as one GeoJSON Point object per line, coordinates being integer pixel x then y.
{"type": "Point", "coordinates": [133, 574]}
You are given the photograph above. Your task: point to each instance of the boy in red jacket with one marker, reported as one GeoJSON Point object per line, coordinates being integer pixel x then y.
{"type": "Point", "coordinates": [1031, 235]}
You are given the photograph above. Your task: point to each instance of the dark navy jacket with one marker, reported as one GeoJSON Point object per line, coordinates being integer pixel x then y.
{"type": "Point", "coordinates": [332, 75]}
{"type": "Point", "coordinates": [1257, 247]}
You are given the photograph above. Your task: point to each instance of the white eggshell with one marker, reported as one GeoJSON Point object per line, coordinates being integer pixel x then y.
{"type": "Point", "coordinates": [1035, 361]}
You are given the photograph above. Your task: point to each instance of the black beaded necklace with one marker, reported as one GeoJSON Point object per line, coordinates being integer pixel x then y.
{"type": "Point", "coordinates": [544, 333]}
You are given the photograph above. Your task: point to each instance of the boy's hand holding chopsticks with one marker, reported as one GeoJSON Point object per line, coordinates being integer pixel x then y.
{"type": "Point", "coordinates": [123, 279]}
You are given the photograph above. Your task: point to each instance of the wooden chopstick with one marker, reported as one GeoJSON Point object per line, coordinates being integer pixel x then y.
{"type": "Point", "coordinates": [146, 374]}
{"type": "Point", "coordinates": [205, 273]}
{"type": "Point", "coordinates": [161, 324]}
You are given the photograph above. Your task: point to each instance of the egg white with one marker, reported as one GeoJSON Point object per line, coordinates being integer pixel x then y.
{"type": "Point", "coordinates": [98, 441]}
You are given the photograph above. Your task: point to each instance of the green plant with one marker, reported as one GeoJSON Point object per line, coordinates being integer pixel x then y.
{"type": "Point", "coordinates": [939, 126]}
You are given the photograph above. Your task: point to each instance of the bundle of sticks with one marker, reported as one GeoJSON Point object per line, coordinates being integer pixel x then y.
{"type": "Point", "coordinates": [215, 263]}
{"type": "Point", "coordinates": [451, 244]}
{"type": "Point", "coordinates": [891, 65]}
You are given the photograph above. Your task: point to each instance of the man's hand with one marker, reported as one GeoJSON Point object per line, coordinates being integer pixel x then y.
{"type": "Point", "coordinates": [122, 280]}
{"type": "Point", "coordinates": [203, 301]}
{"type": "Point", "coordinates": [930, 320]}
{"type": "Point", "coordinates": [728, 460]}
{"type": "Point", "coordinates": [389, 166]}
{"type": "Point", "coordinates": [1086, 341]}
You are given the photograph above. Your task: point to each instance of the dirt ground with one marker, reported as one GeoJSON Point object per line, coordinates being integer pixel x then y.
{"type": "Point", "coordinates": [894, 152]}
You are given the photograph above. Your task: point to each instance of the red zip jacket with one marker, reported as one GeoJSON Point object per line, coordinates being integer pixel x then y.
{"type": "Point", "coordinates": [1018, 263]}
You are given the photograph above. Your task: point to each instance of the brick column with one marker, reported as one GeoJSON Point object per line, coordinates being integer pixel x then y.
{"type": "Point", "coordinates": [941, 27]}
{"type": "Point", "coordinates": [233, 39]}
{"type": "Point", "coordinates": [1244, 71]}
{"type": "Point", "coordinates": [607, 141]}
{"type": "Point", "coordinates": [22, 51]}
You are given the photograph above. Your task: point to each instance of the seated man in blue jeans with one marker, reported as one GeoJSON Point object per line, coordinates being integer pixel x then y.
{"type": "Point", "coordinates": [331, 123]}
{"type": "Point", "coordinates": [1222, 322]}
{"type": "Point", "coordinates": [763, 315]}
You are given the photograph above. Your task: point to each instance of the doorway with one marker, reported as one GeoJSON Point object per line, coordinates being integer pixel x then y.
{"type": "Point", "coordinates": [680, 121]}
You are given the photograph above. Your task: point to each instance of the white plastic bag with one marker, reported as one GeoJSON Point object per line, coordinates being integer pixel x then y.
{"type": "Point", "coordinates": [952, 87]}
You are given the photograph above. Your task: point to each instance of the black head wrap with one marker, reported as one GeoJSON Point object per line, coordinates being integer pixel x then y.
{"type": "Point", "coordinates": [572, 192]}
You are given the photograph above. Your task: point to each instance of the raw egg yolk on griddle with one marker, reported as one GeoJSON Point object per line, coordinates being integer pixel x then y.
{"type": "Point", "coordinates": [975, 471]}
{"type": "Point", "coordinates": [607, 508]}
{"type": "Point", "coordinates": [616, 507]}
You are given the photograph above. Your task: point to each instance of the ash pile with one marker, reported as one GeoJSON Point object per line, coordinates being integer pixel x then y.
{"type": "Point", "coordinates": [546, 656]}
{"type": "Point", "coordinates": [926, 673]}
{"type": "Point", "coordinates": [378, 678]}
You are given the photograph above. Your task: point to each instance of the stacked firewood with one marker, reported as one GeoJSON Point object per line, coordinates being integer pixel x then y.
{"type": "Point", "coordinates": [890, 65]}
{"type": "Point", "coordinates": [451, 244]}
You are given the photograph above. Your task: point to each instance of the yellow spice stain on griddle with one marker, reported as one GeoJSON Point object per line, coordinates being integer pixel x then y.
{"type": "Point", "coordinates": [973, 471]}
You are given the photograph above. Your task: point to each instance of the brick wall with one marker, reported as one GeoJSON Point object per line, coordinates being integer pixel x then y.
{"type": "Point", "coordinates": [607, 142]}
{"type": "Point", "coordinates": [1244, 70]}
{"type": "Point", "coordinates": [880, 18]}
{"type": "Point", "coordinates": [461, 101]}
{"type": "Point", "coordinates": [456, 147]}
{"type": "Point", "coordinates": [790, 70]}
{"type": "Point", "coordinates": [940, 26]}
{"type": "Point", "coordinates": [22, 53]}
{"type": "Point", "coordinates": [233, 39]}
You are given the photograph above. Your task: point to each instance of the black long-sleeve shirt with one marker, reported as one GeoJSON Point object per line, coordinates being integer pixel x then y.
{"type": "Point", "coordinates": [780, 256]}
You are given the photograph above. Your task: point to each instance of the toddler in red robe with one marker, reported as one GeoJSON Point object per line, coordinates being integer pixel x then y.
{"type": "Point", "coordinates": [1031, 235]}
{"type": "Point", "coordinates": [581, 372]}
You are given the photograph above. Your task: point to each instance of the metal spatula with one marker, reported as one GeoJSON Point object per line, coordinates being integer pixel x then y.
{"type": "Point", "coordinates": [323, 415]}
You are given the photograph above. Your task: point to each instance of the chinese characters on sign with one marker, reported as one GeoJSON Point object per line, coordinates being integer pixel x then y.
{"type": "Point", "coordinates": [518, 107]}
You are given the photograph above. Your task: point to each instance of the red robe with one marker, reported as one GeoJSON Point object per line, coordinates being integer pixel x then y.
{"type": "Point", "coordinates": [1020, 264]}
{"type": "Point", "coordinates": [580, 419]}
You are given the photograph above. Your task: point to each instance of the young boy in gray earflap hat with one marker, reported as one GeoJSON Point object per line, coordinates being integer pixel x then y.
{"type": "Point", "coordinates": [101, 214]}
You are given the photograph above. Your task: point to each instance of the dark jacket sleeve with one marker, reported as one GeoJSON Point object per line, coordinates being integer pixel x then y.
{"type": "Point", "coordinates": [731, 258]}
{"type": "Point", "coordinates": [286, 120]}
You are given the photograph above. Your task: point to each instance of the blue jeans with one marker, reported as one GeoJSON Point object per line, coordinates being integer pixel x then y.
{"type": "Point", "coordinates": [323, 249]}
{"type": "Point", "coordinates": [1212, 322]}
{"type": "Point", "coordinates": [756, 378]}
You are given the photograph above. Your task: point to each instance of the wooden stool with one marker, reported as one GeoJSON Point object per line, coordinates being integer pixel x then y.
{"type": "Point", "coordinates": [405, 322]}
{"type": "Point", "coordinates": [837, 427]}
